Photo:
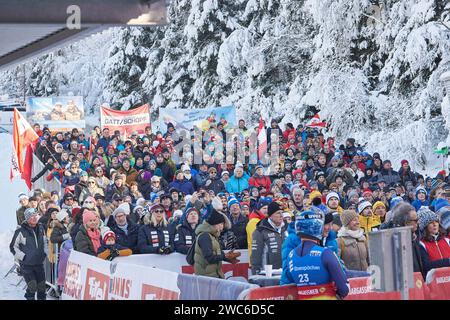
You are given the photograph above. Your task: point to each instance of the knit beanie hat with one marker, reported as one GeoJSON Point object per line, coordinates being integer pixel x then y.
{"type": "Point", "coordinates": [273, 207]}
{"type": "Point", "coordinates": [215, 218]}
{"type": "Point", "coordinates": [362, 205]}
{"type": "Point", "coordinates": [352, 194]}
{"type": "Point", "coordinates": [232, 200]}
{"type": "Point", "coordinates": [378, 204]}
{"type": "Point", "coordinates": [347, 216]}
{"type": "Point", "coordinates": [337, 219]}
{"type": "Point", "coordinates": [421, 189]}
{"type": "Point", "coordinates": [88, 215]}
{"type": "Point", "coordinates": [263, 201]}
{"type": "Point", "coordinates": [29, 213]}
{"type": "Point", "coordinates": [426, 216]}
{"type": "Point", "coordinates": [332, 195]}
{"type": "Point", "coordinates": [62, 215]}
{"type": "Point", "coordinates": [108, 233]}
{"type": "Point", "coordinates": [394, 202]}
{"type": "Point", "coordinates": [315, 194]}
{"type": "Point", "coordinates": [445, 219]}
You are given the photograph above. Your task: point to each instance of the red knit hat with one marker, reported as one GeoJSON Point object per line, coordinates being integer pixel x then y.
{"type": "Point", "coordinates": [108, 234]}
{"type": "Point", "coordinates": [404, 161]}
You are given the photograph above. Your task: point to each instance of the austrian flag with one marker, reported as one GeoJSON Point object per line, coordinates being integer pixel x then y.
{"type": "Point", "coordinates": [316, 122]}
{"type": "Point", "coordinates": [23, 136]}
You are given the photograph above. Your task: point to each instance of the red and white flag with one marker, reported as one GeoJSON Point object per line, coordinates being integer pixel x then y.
{"type": "Point", "coordinates": [23, 136]}
{"type": "Point", "coordinates": [316, 122]}
{"type": "Point", "coordinates": [262, 139]}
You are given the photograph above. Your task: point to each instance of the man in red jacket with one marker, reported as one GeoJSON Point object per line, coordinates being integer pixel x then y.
{"type": "Point", "coordinates": [259, 179]}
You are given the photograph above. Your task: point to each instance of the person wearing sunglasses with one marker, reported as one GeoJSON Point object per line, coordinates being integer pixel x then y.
{"type": "Point", "coordinates": [154, 235]}
{"type": "Point", "coordinates": [102, 181]}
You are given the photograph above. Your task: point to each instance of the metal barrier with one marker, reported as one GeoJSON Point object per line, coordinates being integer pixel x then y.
{"type": "Point", "coordinates": [42, 183]}
{"type": "Point", "coordinates": [51, 272]}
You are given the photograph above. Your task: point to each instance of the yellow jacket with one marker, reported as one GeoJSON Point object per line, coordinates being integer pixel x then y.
{"type": "Point", "coordinates": [250, 228]}
{"type": "Point", "coordinates": [368, 224]}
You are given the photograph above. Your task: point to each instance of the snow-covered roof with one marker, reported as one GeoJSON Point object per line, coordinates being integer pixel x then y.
{"type": "Point", "coordinates": [29, 27]}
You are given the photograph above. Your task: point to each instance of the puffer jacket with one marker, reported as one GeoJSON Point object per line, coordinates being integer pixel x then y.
{"type": "Point", "coordinates": [354, 252]}
{"type": "Point", "coordinates": [368, 224]}
{"type": "Point", "coordinates": [184, 237]}
{"type": "Point", "coordinates": [129, 240]}
{"type": "Point", "coordinates": [27, 245]}
{"type": "Point", "coordinates": [208, 255]}
{"type": "Point", "coordinates": [151, 238]}
{"type": "Point", "coordinates": [266, 246]}
{"type": "Point", "coordinates": [237, 185]}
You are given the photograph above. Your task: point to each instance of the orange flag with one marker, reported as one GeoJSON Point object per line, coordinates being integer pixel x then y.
{"type": "Point", "coordinates": [23, 136]}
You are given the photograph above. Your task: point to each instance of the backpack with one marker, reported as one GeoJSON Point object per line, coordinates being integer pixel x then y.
{"type": "Point", "coordinates": [191, 253]}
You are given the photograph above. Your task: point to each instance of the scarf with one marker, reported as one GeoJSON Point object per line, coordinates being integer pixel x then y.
{"type": "Point", "coordinates": [94, 235]}
{"type": "Point", "coordinates": [344, 232]}
{"type": "Point", "coordinates": [124, 228]}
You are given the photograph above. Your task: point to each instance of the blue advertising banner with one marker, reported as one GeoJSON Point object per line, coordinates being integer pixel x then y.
{"type": "Point", "coordinates": [188, 118]}
{"type": "Point", "coordinates": [57, 113]}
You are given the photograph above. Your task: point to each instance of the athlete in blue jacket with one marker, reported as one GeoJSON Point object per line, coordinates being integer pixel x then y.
{"type": "Point", "coordinates": [316, 270]}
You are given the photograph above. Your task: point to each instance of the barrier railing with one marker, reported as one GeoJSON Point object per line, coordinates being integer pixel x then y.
{"type": "Point", "coordinates": [51, 272]}
{"type": "Point", "coordinates": [437, 287]}
{"type": "Point", "coordinates": [42, 183]}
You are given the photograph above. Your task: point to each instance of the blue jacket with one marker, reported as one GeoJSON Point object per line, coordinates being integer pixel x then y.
{"type": "Point", "coordinates": [151, 239]}
{"type": "Point", "coordinates": [293, 241]}
{"type": "Point", "coordinates": [325, 268]}
{"type": "Point", "coordinates": [237, 185]}
{"type": "Point", "coordinates": [417, 204]}
{"type": "Point", "coordinates": [184, 186]}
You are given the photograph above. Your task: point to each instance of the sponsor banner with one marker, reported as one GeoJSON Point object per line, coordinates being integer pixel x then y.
{"type": "Point", "coordinates": [360, 289]}
{"type": "Point", "coordinates": [57, 113]}
{"type": "Point", "coordinates": [438, 281]}
{"type": "Point", "coordinates": [176, 262]}
{"type": "Point", "coordinates": [91, 278]}
{"type": "Point", "coordinates": [188, 118]}
{"type": "Point", "coordinates": [125, 121]}
{"type": "Point", "coordinates": [288, 292]}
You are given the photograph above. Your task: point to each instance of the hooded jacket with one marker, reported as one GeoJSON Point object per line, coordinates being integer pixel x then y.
{"type": "Point", "coordinates": [237, 185]}
{"type": "Point", "coordinates": [208, 255]}
{"type": "Point", "coordinates": [266, 246]}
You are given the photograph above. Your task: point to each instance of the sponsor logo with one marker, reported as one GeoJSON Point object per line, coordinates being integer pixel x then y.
{"type": "Point", "coordinates": [119, 288]}
{"type": "Point", "coordinates": [360, 290]}
{"type": "Point", "coordinates": [72, 281]}
{"type": "Point", "coordinates": [150, 292]}
{"type": "Point", "coordinates": [96, 286]}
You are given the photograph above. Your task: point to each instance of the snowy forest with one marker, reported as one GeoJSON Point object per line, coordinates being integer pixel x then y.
{"type": "Point", "coordinates": [371, 67]}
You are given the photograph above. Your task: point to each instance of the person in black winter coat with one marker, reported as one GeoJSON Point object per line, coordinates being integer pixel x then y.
{"type": "Point", "coordinates": [117, 187]}
{"type": "Point", "coordinates": [185, 235]}
{"type": "Point", "coordinates": [274, 129]}
{"type": "Point", "coordinates": [27, 246]}
{"type": "Point", "coordinates": [59, 232]}
{"type": "Point", "coordinates": [390, 176]}
{"type": "Point", "coordinates": [214, 182]}
{"type": "Point", "coordinates": [126, 231]}
{"type": "Point", "coordinates": [144, 184]}
{"type": "Point", "coordinates": [154, 235]}
{"type": "Point", "coordinates": [406, 173]}
{"type": "Point", "coordinates": [166, 170]}
{"type": "Point", "coordinates": [238, 224]}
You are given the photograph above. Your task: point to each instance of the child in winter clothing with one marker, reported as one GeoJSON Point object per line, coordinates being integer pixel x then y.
{"type": "Point", "coordinates": [110, 249]}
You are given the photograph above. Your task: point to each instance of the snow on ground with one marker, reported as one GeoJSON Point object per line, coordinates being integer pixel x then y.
{"type": "Point", "coordinates": [9, 204]}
